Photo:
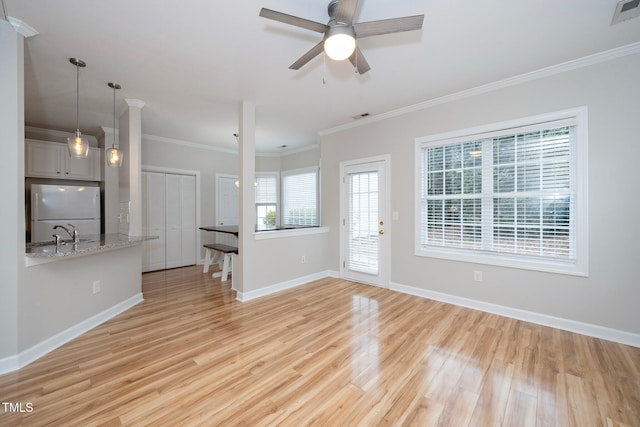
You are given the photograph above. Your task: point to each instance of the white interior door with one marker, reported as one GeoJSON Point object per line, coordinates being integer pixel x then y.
{"type": "Point", "coordinates": [226, 206]}
{"type": "Point", "coordinates": [169, 212]}
{"type": "Point", "coordinates": [188, 217]}
{"type": "Point", "coordinates": [153, 220]}
{"type": "Point", "coordinates": [364, 233]}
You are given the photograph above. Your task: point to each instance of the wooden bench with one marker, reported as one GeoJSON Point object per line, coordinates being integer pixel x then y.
{"type": "Point", "coordinates": [213, 252]}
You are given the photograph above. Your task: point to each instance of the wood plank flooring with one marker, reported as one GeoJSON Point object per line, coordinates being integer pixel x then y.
{"type": "Point", "coordinates": [330, 353]}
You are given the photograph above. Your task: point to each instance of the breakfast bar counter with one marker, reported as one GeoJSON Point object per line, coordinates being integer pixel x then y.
{"type": "Point", "coordinates": [42, 252]}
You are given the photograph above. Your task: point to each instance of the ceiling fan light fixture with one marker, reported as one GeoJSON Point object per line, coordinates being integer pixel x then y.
{"type": "Point", "coordinates": [340, 42]}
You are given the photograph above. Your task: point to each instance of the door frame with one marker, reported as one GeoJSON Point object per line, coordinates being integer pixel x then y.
{"type": "Point", "coordinates": [385, 249]}
{"type": "Point", "coordinates": [223, 238]}
{"type": "Point", "coordinates": [165, 170]}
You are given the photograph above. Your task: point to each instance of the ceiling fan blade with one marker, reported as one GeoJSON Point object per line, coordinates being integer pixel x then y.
{"type": "Point", "coordinates": [315, 51]}
{"type": "Point", "coordinates": [346, 11]}
{"type": "Point", "coordinates": [293, 20]}
{"type": "Point", "coordinates": [358, 61]}
{"type": "Point", "coordinates": [388, 26]}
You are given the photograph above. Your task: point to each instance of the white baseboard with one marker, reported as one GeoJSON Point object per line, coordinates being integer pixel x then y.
{"type": "Point", "coordinates": [13, 363]}
{"type": "Point", "coordinates": [588, 329]}
{"type": "Point", "coordinates": [247, 296]}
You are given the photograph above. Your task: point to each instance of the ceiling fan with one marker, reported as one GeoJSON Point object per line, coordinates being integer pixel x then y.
{"type": "Point", "coordinates": [340, 33]}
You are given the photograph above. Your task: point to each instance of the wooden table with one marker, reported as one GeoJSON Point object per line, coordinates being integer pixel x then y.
{"type": "Point", "coordinates": [222, 253]}
{"type": "Point", "coordinates": [228, 229]}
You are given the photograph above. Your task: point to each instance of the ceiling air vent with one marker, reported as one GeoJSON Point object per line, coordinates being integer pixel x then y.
{"type": "Point", "coordinates": [626, 9]}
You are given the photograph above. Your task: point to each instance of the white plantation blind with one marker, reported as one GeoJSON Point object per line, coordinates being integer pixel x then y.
{"type": "Point", "coordinates": [507, 193]}
{"type": "Point", "coordinates": [300, 197]}
{"type": "Point", "coordinates": [362, 217]}
{"type": "Point", "coordinates": [267, 188]}
{"type": "Point", "coordinates": [266, 200]}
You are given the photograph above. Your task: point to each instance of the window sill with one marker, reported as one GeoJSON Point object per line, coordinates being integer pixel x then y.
{"type": "Point", "coordinates": [277, 234]}
{"type": "Point", "coordinates": [505, 260]}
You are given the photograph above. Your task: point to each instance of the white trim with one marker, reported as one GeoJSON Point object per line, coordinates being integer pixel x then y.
{"type": "Point", "coordinates": [563, 67]}
{"type": "Point", "coordinates": [285, 153]}
{"type": "Point", "coordinates": [574, 326]}
{"type": "Point", "coordinates": [581, 265]}
{"type": "Point", "coordinates": [52, 135]}
{"type": "Point", "coordinates": [22, 28]}
{"type": "Point", "coordinates": [293, 232]}
{"type": "Point", "coordinates": [386, 255]}
{"type": "Point", "coordinates": [22, 359]}
{"type": "Point", "coordinates": [304, 280]}
{"type": "Point", "coordinates": [138, 103]}
{"type": "Point", "coordinates": [149, 138]}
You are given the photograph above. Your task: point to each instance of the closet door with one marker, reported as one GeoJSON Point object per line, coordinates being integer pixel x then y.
{"type": "Point", "coordinates": [153, 220]}
{"type": "Point", "coordinates": [180, 211]}
{"type": "Point", "coordinates": [188, 217]}
{"type": "Point", "coordinates": [173, 210]}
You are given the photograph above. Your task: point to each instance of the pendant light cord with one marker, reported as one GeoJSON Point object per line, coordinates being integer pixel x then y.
{"type": "Point", "coordinates": [114, 115]}
{"type": "Point", "coordinates": [4, 14]}
{"type": "Point", "coordinates": [77, 97]}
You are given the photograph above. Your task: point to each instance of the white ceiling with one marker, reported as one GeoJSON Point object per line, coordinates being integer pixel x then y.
{"type": "Point", "coordinates": [193, 61]}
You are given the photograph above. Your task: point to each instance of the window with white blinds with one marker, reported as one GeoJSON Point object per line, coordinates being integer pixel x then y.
{"type": "Point", "coordinates": [300, 197]}
{"type": "Point", "coordinates": [513, 196]}
{"type": "Point", "coordinates": [266, 200]}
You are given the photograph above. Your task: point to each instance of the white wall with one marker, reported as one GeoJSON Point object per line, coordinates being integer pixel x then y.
{"type": "Point", "coordinates": [610, 296]}
{"type": "Point", "coordinates": [57, 296]}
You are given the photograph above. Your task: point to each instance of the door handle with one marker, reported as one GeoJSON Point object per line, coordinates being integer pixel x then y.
{"type": "Point", "coordinates": [221, 223]}
{"type": "Point", "coordinates": [380, 232]}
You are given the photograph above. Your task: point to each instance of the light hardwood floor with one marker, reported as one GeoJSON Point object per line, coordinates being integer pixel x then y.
{"type": "Point", "coordinates": [330, 353]}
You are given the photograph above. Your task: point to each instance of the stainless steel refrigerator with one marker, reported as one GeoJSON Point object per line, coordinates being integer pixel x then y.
{"type": "Point", "coordinates": [61, 205]}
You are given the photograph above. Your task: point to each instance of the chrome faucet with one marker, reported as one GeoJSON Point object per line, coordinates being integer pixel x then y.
{"type": "Point", "coordinates": [73, 233]}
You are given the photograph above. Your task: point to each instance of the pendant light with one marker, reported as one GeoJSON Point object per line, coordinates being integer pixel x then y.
{"type": "Point", "coordinates": [78, 145]}
{"type": "Point", "coordinates": [114, 156]}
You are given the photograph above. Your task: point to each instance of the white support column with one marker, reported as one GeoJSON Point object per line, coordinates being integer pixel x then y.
{"type": "Point", "coordinates": [247, 171]}
{"type": "Point", "coordinates": [109, 177]}
{"type": "Point", "coordinates": [130, 141]}
{"type": "Point", "coordinates": [12, 188]}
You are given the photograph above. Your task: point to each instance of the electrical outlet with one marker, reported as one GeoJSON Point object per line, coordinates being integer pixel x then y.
{"type": "Point", "coordinates": [477, 276]}
{"type": "Point", "coordinates": [96, 286]}
{"type": "Point", "coordinates": [303, 259]}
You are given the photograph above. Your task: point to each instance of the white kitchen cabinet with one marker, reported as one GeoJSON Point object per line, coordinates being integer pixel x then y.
{"type": "Point", "coordinates": [169, 212]}
{"type": "Point", "coordinates": [51, 160]}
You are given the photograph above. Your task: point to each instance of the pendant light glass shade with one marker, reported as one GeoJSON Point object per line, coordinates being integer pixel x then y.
{"type": "Point", "coordinates": [114, 155]}
{"type": "Point", "coordinates": [78, 145]}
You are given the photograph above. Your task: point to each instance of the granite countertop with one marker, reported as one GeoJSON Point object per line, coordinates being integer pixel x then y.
{"type": "Point", "coordinates": [89, 244]}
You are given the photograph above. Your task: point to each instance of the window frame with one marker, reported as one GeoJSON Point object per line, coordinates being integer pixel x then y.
{"type": "Point", "coordinates": [301, 171]}
{"type": "Point", "coordinates": [577, 267]}
{"type": "Point", "coordinates": [276, 202]}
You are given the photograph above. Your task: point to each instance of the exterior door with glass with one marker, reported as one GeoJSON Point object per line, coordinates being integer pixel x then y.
{"type": "Point", "coordinates": [364, 232]}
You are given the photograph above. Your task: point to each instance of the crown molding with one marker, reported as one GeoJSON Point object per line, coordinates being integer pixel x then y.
{"type": "Point", "coordinates": [134, 103]}
{"type": "Point", "coordinates": [22, 28]}
{"type": "Point", "coordinates": [42, 134]}
{"type": "Point", "coordinates": [563, 67]}
{"type": "Point", "coordinates": [285, 153]}
{"type": "Point", "coordinates": [150, 138]}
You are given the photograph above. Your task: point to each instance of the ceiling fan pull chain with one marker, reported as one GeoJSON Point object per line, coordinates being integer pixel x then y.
{"type": "Point", "coordinates": [355, 69]}
{"type": "Point", "coordinates": [324, 68]}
